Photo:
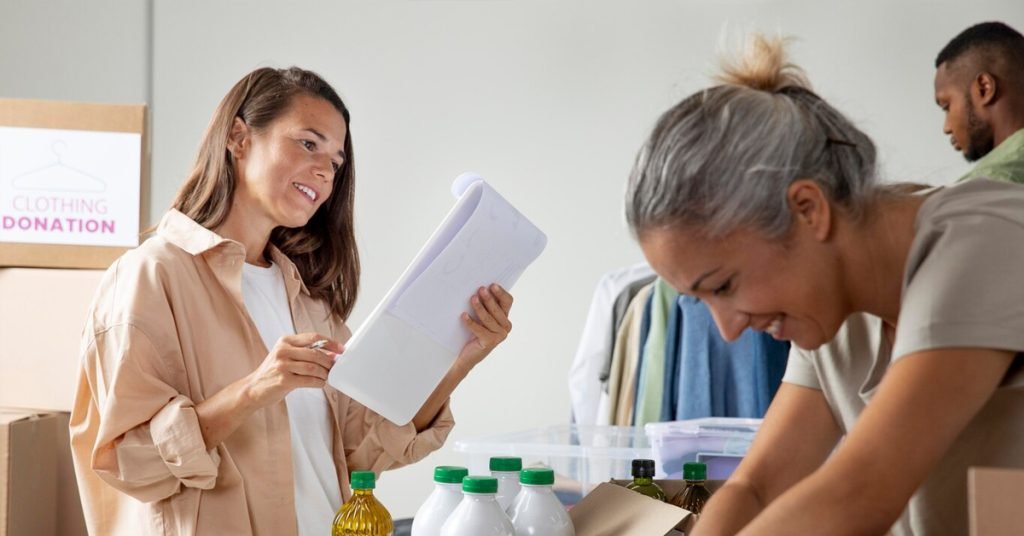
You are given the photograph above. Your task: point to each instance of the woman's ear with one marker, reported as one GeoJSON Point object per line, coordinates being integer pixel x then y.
{"type": "Point", "coordinates": [238, 138]}
{"type": "Point", "coordinates": [810, 208]}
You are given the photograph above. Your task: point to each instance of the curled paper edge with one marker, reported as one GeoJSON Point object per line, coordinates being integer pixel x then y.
{"type": "Point", "coordinates": [463, 182]}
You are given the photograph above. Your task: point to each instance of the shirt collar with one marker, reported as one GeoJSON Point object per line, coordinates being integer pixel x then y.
{"type": "Point", "coordinates": [187, 234]}
{"type": "Point", "coordinates": [1005, 150]}
{"type": "Point", "coordinates": [293, 280]}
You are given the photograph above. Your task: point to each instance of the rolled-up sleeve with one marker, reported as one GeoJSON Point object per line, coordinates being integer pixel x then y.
{"type": "Point", "coordinates": [375, 443]}
{"type": "Point", "coordinates": [147, 440]}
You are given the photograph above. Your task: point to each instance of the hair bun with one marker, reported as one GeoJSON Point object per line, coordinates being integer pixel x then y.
{"type": "Point", "coordinates": [762, 66]}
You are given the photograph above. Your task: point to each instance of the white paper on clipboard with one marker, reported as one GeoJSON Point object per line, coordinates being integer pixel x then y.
{"type": "Point", "coordinates": [405, 347]}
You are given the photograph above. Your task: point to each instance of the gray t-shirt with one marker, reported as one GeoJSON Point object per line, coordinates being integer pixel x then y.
{"type": "Point", "coordinates": [959, 290]}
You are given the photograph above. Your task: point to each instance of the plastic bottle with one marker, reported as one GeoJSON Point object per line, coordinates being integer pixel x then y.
{"type": "Point", "coordinates": [695, 495]}
{"type": "Point", "coordinates": [643, 480]}
{"type": "Point", "coordinates": [536, 511]}
{"type": "Point", "coordinates": [506, 470]}
{"type": "Point", "coordinates": [479, 513]}
{"type": "Point", "coordinates": [442, 501]}
{"type": "Point", "coordinates": [363, 514]}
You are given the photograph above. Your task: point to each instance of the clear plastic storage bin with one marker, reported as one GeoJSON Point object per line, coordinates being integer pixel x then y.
{"type": "Point", "coordinates": [582, 456]}
{"type": "Point", "coordinates": [719, 442]}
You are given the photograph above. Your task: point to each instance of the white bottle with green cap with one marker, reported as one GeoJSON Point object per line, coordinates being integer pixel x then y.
{"type": "Point", "coordinates": [537, 511]}
{"type": "Point", "coordinates": [442, 501]}
{"type": "Point", "coordinates": [506, 470]}
{"type": "Point", "coordinates": [479, 513]}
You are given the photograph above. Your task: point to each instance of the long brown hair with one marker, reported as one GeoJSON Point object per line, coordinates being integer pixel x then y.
{"type": "Point", "coordinates": [324, 250]}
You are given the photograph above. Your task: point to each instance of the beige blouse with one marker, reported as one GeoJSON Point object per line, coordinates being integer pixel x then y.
{"type": "Point", "coordinates": [168, 328]}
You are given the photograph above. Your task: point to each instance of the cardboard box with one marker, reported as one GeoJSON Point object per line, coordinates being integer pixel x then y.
{"type": "Point", "coordinates": [993, 494]}
{"type": "Point", "coordinates": [71, 158]}
{"type": "Point", "coordinates": [613, 510]}
{"type": "Point", "coordinates": [38, 492]}
{"type": "Point", "coordinates": [42, 312]}
{"type": "Point", "coordinates": [994, 501]}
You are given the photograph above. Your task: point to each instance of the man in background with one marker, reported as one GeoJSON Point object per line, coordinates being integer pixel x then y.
{"type": "Point", "coordinates": [979, 84]}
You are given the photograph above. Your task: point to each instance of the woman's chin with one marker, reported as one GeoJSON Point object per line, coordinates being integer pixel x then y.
{"type": "Point", "coordinates": [294, 222]}
{"type": "Point", "coordinates": [808, 341]}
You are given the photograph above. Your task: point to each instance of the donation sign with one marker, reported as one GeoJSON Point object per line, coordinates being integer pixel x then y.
{"type": "Point", "coordinates": [69, 187]}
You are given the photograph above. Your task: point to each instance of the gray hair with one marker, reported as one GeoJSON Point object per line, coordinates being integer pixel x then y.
{"type": "Point", "coordinates": [723, 158]}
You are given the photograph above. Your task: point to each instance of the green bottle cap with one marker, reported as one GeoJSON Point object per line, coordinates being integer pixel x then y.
{"type": "Point", "coordinates": [449, 474]}
{"type": "Point", "coordinates": [480, 484]}
{"type": "Point", "coordinates": [537, 476]}
{"type": "Point", "coordinates": [695, 471]}
{"type": "Point", "coordinates": [500, 463]}
{"type": "Point", "coordinates": [363, 480]}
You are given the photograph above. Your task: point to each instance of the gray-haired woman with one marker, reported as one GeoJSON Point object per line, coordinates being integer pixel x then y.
{"type": "Point", "coordinates": [761, 199]}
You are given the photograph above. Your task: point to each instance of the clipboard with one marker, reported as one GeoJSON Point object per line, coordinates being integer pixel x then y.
{"type": "Point", "coordinates": [398, 356]}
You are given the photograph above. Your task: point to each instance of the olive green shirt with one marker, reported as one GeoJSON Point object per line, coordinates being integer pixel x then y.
{"type": "Point", "coordinates": [1003, 163]}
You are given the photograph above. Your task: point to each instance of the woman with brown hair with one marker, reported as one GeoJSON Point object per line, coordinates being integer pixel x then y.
{"type": "Point", "coordinates": [202, 406]}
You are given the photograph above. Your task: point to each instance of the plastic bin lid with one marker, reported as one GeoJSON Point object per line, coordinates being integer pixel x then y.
{"type": "Point", "coordinates": [568, 441]}
{"type": "Point", "coordinates": [706, 427]}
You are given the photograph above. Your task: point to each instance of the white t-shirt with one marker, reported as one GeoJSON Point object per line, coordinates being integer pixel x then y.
{"type": "Point", "coordinates": [317, 492]}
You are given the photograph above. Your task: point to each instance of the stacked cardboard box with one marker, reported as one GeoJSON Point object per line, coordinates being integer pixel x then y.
{"type": "Point", "coordinates": [38, 494]}
{"type": "Point", "coordinates": [994, 501]}
{"type": "Point", "coordinates": [41, 317]}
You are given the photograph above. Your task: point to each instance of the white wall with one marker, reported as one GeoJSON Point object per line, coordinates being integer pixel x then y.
{"type": "Point", "coordinates": [95, 51]}
{"type": "Point", "coordinates": [549, 101]}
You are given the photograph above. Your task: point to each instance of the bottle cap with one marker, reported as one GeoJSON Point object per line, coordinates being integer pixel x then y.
{"type": "Point", "coordinates": [643, 468]}
{"type": "Point", "coordinates": [363, 480]}
{"type": "Point", "coordinates": [480, 484]}
{"type": "Point", "coordinates": [506, 463]}
{"type": "Point", "coordinates": [449, 474]}
{"type": "Point", "coordinates": [695, 471]}
{"type": "Point", "coordinates": [537, 476]}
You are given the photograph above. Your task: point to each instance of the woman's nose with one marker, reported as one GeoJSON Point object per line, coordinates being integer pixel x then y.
{"type": "Point", "coordinates": [324, 169]}
{"type": "Point", "coordinates": [730, 323]}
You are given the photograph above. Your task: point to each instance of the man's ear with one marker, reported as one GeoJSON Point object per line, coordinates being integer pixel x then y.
{"type": "Point", "coordinates": [810, 207]}
{"type": "Point", "coordinates": [238, 138]}
{"type": "Point", "coordinates": [984, 89]}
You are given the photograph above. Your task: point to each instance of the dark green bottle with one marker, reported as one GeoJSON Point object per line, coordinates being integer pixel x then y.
{"type": "Point", "coordinates": [643, 480]}
{"type": "Point", "coordinates": [695, 495]}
